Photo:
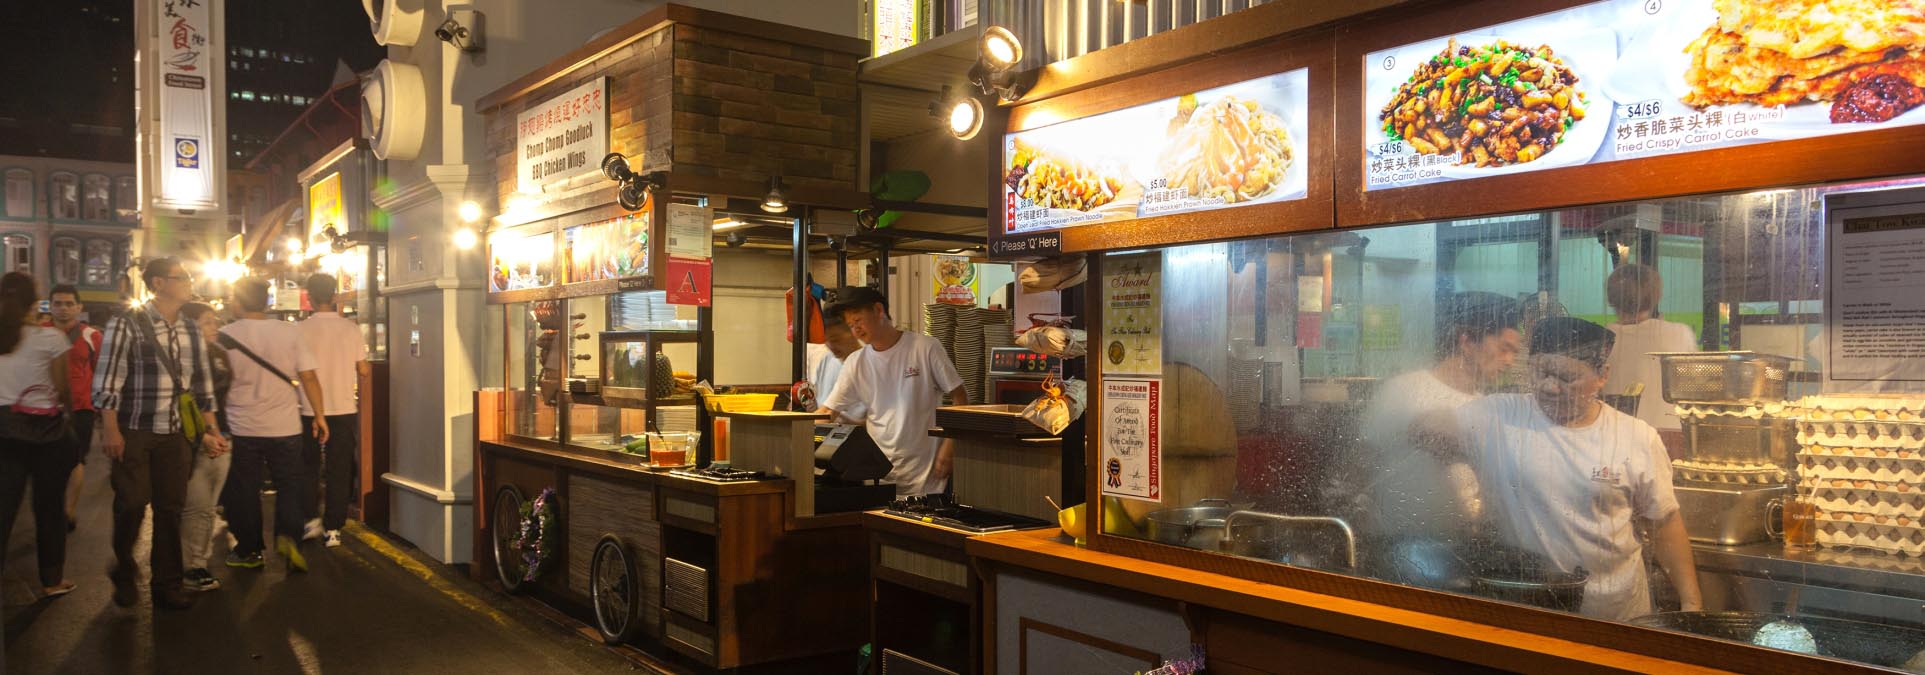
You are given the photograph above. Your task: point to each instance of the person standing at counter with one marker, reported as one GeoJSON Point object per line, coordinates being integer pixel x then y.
{"type": "Point", "coordinates": [1633, 291]}
{"type": "Point", "coordinates": [892, 386]}
{"type": "Point", "coordinates": [1411, 492]}
{"type": "Point", "coordinates": [1565, 475]}
{"type": "Point", "coordinates": [826, 360]}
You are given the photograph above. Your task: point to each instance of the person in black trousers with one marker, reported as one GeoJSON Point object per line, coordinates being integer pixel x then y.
{"type": "Point", "coordinates": [35, 444]}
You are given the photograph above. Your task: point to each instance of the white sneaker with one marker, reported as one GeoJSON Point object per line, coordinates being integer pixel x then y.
{"type": "Point", "coordinates": [312, 530]}
{"type": "Point", "coordinates": [332, 538]}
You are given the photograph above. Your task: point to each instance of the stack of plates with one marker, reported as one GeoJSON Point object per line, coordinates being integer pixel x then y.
{"type": "Point", "coordinates": [643, 310]}
{"type": "Point", "coordinates": [939, 321]}
{"type": "Point", "coordinates": [675, 418]}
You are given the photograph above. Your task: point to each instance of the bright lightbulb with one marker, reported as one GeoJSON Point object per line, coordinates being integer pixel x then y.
{"type": "Point", "coordinates": [470, 212]}
{"type": "Point", "coordinates": [465, 238]}
{"type": "Point", "coordinates": [1000, 48]}
{"type": "Point", "coordinates": [294, 244]}
{"type": "Point", "coordinates": [965, 118]}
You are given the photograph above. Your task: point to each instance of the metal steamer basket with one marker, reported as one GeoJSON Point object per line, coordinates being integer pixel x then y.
{"type": "Point", "coordinates": [1724, 377]}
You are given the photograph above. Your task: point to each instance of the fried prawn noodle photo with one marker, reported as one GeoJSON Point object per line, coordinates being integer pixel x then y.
{"type": "Point", "coordinates": [1055, 183]}
{"type": "Point", "coordinates": [1493, 105]}
{"type": "Point", "coordinates": [1230, 149]}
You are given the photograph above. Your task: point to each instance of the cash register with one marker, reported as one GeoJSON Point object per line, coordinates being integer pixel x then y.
{"type": "Point", "coordinates": [849, 469]}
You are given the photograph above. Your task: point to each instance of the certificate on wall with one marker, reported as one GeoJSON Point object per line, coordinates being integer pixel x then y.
{"type": "Point", "coordinates": [1132, 339]}
{"type": "Point", "coordinates": [1131, 443]}
{"type": "Point", "coordinates": [1875, 296]}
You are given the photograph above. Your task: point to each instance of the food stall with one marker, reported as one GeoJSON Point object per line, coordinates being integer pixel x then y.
{"type": "Point", "coordinates": [604, 481]}
{"type": "Point", "coordinates": [1316, 200]}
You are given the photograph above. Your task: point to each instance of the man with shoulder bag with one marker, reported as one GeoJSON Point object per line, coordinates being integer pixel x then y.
{"type": "Point", "coordinates": [264, 412]}
{"type": "Point", "coordinates": [154, 390]}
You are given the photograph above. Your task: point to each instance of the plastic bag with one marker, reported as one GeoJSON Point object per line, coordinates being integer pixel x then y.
{"type": "Point", "coordinates": [1060, 404]}
{"type": "Point", "coordinates": [1053, 274]}
{"type": "Point", "coordinates": [1062, 343]}
{"type": "Point", "coordinates": [815, 317]}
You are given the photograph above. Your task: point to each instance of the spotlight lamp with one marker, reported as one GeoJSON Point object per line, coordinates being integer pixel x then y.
{"type": "Point", "coordinates": [1000, 50]}
{"type": "Point", "coordinates": [632, 188]}
{"type": "Point", "coordinates": [777, 200]}
{"type": "Point", "coordinates": [962, 115]}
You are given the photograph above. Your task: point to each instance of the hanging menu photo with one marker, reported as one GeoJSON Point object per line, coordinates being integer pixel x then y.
{"type": "Point", "coordinates": [1230, 146]}
{"type": "Point", "coordinates": [1624, 79]}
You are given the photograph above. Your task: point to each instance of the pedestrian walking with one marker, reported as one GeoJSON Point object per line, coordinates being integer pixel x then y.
{"type": "Point", "coordinates": [35, 446]}
{"type": "Point", "coordinates": [81, 417]}
{"type": "Point", "coordinates": [155, 393]}
{"type": "Point", "coordinates": [267, 427]}
{"type": "Point", "coordinates": [340, 359]}
{"type": "Point", "coordinates": [210, 470]}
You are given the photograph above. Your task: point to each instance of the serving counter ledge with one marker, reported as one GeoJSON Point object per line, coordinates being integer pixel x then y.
{"type": "Point", "coordinates": [1250, 627]}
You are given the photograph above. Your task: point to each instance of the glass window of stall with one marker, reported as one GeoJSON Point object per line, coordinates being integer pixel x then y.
{"type": "Point", "coordinates": [1633, 412]}
{"type": "Point", "coordinates": [533, 368]}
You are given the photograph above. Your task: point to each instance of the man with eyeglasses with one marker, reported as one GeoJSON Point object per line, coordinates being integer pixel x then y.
{"type": "Point", "coordinates": [66, 306]}
{"type": "Point", "coordinates": [150, 355]}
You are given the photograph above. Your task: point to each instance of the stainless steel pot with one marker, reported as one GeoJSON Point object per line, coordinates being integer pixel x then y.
{"type": "Point", "coordinates": [1201, 526]}
{"type": "Point", "coordinates": [1523, 577]}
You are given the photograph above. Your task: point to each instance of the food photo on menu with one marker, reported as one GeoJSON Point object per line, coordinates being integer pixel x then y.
{"type": "Point", "coordinates": [1622, 79]}
{"type": "Point", "coordinates": [1228, 146]}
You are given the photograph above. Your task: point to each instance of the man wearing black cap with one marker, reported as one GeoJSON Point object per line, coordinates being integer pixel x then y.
{"type": "Point", "coordinates": [893, 386]}
{"type": "Point", "coordinates": [1564, 475]}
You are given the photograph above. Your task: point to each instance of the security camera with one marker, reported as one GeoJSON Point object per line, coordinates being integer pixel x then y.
{"type": "Point", "coordinates": [737, 239]}
{"type": "Point", "coordinates": [462, 29]}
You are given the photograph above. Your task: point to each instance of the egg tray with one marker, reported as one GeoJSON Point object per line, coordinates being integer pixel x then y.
{"type": "Point", "coordinates": [1862, 434]}
{"type": "Point", "coordinates": [1728, 473]}
{"type": "Point", "coordinates": [1850, 531]}
{"type": "Point", "coordinates": [1870, 501]}
{"type": "Point", "coordinates": [1695, 410]}
{"type": "Point", "coordinates": [1853, 467]}
{"type": "Point", "coordinates": [1863, 408]}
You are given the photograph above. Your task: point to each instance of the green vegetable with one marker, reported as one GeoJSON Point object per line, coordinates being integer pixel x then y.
{"type": "Point", "coordinates": [1486, 79]}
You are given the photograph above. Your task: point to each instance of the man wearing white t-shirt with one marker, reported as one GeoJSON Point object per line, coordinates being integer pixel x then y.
{"type": "Point", "coordinates": [273, 369]}
{"type": "Point", "coordinates": [1411, 492]}
{"type": "Point", "coordinates": [340, 359]}
{"type": "Point", "coordinates": [893, 386]}
{"type": "Point", "coordinates": [1566, 476]}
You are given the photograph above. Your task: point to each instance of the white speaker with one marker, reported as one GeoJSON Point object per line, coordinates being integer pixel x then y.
{"type": "Point", "coordinates": [394, 110]}
{"type": "Point", "coordinates": [395, 23]}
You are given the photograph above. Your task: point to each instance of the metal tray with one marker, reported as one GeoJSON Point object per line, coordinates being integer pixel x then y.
{"type": "Point", "coordinates": [1769, 440]}
{"type": "Point", "coordinates": [1724, 377]}
{"type": "Point", "coordinates": [996, 418]}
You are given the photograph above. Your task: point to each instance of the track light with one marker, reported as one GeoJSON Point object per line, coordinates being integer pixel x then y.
{"type": "Point", "coordinates": [777, 201]}
{"type": "Point", "coordinates": [1000, 49]}
{"type": "Point", "coordinates": [632, 189]}
{"type": "Point", "coordinates": [962, 115]}
{"type": "Point", "coordinates": [1006, 85]}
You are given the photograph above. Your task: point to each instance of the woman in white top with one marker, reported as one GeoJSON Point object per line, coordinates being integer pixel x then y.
{"type": "Point", "coordinates": [33, 386]}
{"type": "Point", "coordinates": [1633, 291]}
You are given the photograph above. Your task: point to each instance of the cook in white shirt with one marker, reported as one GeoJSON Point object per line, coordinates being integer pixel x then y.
{"type": "Point", "coordinates": [1634, 291]}
{"type": "Point", "coordinates": [893, 386]}
{"type": "Point", "coordinates": [1411, 492]}
{"type": "Point", "coordinates": [1565, 475]}
{"type": "Point", "coordinates": [826, 360]}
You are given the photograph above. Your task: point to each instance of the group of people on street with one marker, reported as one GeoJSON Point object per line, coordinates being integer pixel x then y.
{"type": "Point", "coordinates": [195, 413]}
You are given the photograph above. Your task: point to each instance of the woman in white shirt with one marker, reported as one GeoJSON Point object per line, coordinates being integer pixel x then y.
{"type": "Point", "coordinates": [33, 388]}
{"type": "Point", "coordinates": [1633, 291]}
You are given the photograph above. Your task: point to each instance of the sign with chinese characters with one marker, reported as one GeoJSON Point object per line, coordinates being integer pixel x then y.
{"type": "Point", "coordinates": [1875, 296]}
{"type": "Point", "coordinates": [616, 248]}
{"type": "Point", "coordinates": [1234, 145]}
{"type": "Point", "coordinates": [1132, 340]}
{"type": "Point", "coordinates": [518, 261]}
{"type": "Point", "coordinates": [894, 25]}
{"type": "Point", "coordinates": [183, 145]}
{"type": "Point", "coordinates": [324, 206]}
{"type": "Point", "coordinates": [1625, 79]}
{"type": "Point", "coordinates": [562, 137]}
{"type": "Point", "coordinates": [1131, 439]}
{"type": "Point", "coordinates": [689, 281]}
{"type": "Point", "coordinates": [691, 231]}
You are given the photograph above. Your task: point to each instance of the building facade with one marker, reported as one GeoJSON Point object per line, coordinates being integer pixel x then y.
{"type": "Point", "coordinates": [69, 222]}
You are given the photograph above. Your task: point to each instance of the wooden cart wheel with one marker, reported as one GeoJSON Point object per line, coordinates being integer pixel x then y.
{"type": "Point", "coordinates": [615, 589]}
{"type": "Point", "coordinates": [506, 528]}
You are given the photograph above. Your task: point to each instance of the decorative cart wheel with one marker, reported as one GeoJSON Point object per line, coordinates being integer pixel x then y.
{"type": "Point", "coordinates": [615, 589]}
{"type": "Point", "coordinates": [505, 527]}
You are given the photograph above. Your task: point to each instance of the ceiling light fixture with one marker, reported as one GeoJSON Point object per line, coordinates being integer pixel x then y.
{"type": "Point", "coordinates": [777, 201]}
{"type": "Point", "coordinates": [1000, 49]}
{"type": "Point", "coordinates": [962, 115]}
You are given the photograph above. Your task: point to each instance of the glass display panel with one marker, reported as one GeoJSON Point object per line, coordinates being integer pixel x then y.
{"type": "Point", "coordinates": [534, 367]}
{"type": "Point", "coordinates": [1476, 407]}
{"type": "Point", "coordinates": [607, 427]}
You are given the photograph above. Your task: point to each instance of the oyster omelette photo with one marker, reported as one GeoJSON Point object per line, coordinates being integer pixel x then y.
{"type": "Point", "coordinates": [1865, 57]}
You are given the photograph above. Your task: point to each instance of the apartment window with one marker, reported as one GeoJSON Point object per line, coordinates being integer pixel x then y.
{"type": "Point", "coordinates": [66, 261]}
{"type": "Point", "coordinates": [126, 200]}
{"type": "Point", "coordinates": [99, 265]}
{"type": "Point", "coordinates": [19, 253]}
{"type": "Point", "coordinates": [19, 193]}
{"type": "Point", "coordinates": [96, 197]}
{"type": "Point", "coordinates": [247, 96]}
{"type": "Point", "coordinates": [63, 196]}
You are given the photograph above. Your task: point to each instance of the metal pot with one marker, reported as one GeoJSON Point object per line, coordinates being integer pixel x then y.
{"type": "Point", "coordinates": [1523, 577]}
{"type": "Point", "coordinates": [1201, 526]}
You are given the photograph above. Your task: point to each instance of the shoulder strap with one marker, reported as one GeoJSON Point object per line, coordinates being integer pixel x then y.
{"type": "Point", "coordinates": [79, 334]}
{"type": "Point", "coordinates": [168, 361]}
{"type": "Point", "coordinates": [229, 342]}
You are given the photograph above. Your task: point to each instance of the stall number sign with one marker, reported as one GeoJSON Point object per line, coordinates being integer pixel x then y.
{"type": "Point", "coordinates": [563, 137]}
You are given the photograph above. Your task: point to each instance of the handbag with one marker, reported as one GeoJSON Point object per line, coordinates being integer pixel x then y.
{"type": "Point", "coordinates": [32, 425]}
{"type": "Point", "coordinates": [192, 424]}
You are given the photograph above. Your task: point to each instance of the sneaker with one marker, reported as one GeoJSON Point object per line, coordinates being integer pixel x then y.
{"type": "Point", "coordinates": [311, 530]}
{"type": "Point", "coordinates": [291, 552]}
{"type": "Point", "coordinates": [332, 538]}
{"type": "Point", "coordinates": [199, 579]}
{"type": "Point", "coordinates": [246, 560]}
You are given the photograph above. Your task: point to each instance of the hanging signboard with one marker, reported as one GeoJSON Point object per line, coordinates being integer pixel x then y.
{"type": "Point", "coordinates": [616, 248]}
{"type": "Point", "coordinates": [894, 25]}
{"type": "Point", "coordinates": [1624, 79]}
{"type": "Point", "coordinates": [1132, 443]}
{"type": "Point", "coordinates": [689, 281]}
{"type": "Point", "coordinates": [324, 206]}
{"type": "Point", "coordinates": [183, 146]}
{"type": "Point", "coordinates": [955, 280]}
{"type": "Point", "coordinates": [1132, 340]}
{"type": "Point", "coordinates": [563, 137]}
{"type": "Point", "coordinates": [1234, 145]}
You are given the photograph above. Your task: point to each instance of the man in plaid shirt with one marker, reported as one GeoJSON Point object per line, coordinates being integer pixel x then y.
{"type": "Point", "coordinates": [134, 390]}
